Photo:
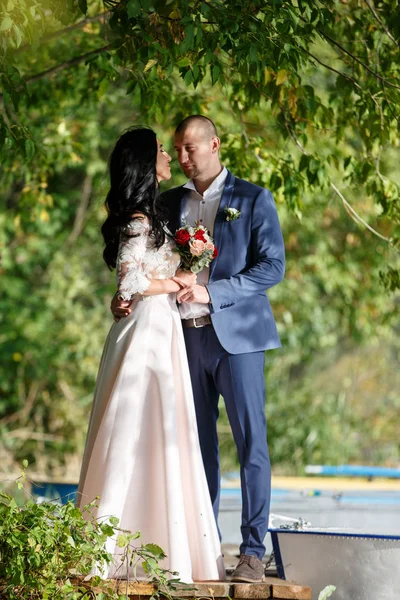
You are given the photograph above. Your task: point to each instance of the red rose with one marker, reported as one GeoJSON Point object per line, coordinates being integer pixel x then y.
{"type": "Point", "coordinates": [215, 253]}
{"type": "Point", "coordinates": [199, 235]}
{"type": "Point", "coordinates": [182, 237]}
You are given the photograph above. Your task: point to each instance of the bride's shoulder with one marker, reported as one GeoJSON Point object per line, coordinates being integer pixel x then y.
{"type": "Point", "coordinates": [138, 224]}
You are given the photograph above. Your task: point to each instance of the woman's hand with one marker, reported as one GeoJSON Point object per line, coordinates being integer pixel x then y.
{"type": "Point", "coordinates": [185, 278]}
{"type": "Point", "coordinates": [120, 308]}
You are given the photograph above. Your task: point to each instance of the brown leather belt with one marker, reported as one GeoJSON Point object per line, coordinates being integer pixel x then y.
{"type": "Point", "coordinates": [197, 322]}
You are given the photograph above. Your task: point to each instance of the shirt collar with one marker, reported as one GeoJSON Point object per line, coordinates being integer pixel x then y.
{"type": "Point", "coordinates": [214, 187]}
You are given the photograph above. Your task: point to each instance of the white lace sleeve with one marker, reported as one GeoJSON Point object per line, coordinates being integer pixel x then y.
{"type": "Point", "coordinates": [132, 248]}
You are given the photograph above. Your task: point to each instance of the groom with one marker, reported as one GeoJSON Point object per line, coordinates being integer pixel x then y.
{"type": "Point", "coordinates": [227, 320]}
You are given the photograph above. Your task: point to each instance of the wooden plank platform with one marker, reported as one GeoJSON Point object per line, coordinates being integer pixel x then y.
{"type": "Point", "coordinates": [271, 588]}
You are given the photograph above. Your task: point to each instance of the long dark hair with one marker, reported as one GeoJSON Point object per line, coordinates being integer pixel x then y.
{"type": "Point", "coordinates": [134, 188]}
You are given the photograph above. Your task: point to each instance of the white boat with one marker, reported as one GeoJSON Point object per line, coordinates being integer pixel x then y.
{"type": "Point", "coordinates": [362, 566]}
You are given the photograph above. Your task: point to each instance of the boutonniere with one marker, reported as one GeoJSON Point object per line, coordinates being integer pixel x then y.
{"type": "Point", "coordinates": [231, 214]}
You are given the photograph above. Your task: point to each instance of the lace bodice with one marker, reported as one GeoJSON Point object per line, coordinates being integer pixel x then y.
{"type": "Point", "coordinates": [138, 261]}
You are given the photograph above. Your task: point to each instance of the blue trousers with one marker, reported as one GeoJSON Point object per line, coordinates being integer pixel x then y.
{"type": "Point", "coordinates": [239, 378]}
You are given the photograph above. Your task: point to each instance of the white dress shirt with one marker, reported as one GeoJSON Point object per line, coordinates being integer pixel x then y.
{"type": "Point", "coordinates": [202, 208]}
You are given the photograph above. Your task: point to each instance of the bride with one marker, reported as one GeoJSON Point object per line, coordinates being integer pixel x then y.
{"type": "Point", "coordinates": [142, 455]}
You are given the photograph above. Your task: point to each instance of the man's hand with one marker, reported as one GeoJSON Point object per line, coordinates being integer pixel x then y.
{"type": "Point", "coordinates": [120, 308]}
{"type": "Point", "coordinates": [193, 293]}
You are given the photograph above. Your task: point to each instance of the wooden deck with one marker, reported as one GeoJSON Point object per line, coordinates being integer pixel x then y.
{"type": "Point", "coordinates": [272, 587]}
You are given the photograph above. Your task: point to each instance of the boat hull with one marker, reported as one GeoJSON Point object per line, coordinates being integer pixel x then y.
{"type": "Point", "coordinates": [361, 566]}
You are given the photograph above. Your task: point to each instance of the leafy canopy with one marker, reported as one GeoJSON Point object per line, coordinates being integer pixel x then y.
{"type": "Point", "coordinates": [327, 70]}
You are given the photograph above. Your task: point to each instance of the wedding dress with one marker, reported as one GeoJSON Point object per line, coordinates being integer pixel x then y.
{"type": "Point", "coordinates": [142, 455]}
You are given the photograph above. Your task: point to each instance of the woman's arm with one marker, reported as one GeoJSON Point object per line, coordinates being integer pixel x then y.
{"type": "Point", "coordinates": [131, 278]}
{"type": "Point", "coordinates": [160, 286]}
{"type": "Point", "coordinates": [121, 308]}
{"type": "Point", "coordinates": [182, 278]}
{"type": "Point", "coordinates": [130, 272]}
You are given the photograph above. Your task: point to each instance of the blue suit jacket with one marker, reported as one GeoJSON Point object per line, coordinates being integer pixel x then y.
{"type": "Point", "coordinates": [251, 259]}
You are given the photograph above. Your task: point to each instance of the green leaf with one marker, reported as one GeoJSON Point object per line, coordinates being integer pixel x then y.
{"type": "Point", "coordinates": [215, 72]}
{"type": "Point", "coordinates": [390, 278]}
{"type": "Point", "coordinates": [293, 16]}
{"type": "Point", "coordinates": [30, 149]}
{"type": "Point", "coordinates": [131, 86]}
{"type": "Point", "coordinates": [188, 78]}
{"type": "Point", "coordinates": [149, 565]}
{"type": "Point", "coordinates": [83, 6]}
{"type": "Point", "coordinates": [150, 64]}
{"type": "Point", "coordinates": [281, 77]}
{"type": "Point", "coordinates": [122, 540]}
{"type": "Point", "coordinates": [304, 160]}
{"type": "Point", "coordinates": [326, 592]}
{"type": "Point", "coordinates": [196, 72]}
{"type": "Point", "coordinates": [189, 37]}
{"type": "Point", "coordinates": [6, 24]}
{"type": "Point", "coordinates": [18, 35]}
{"type": "Point", "coordinates": [155, 550]}
{"type": "Point", "coordinates": [253, 56]}
{"type": "Point", "coordinates": [114, 521]}
{"type": "Point", "coordinates": [183, 62]}
{"type": "Point", "coordinates": [133, 9]}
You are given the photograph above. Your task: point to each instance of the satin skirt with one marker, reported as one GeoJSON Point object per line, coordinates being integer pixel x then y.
{"type": "Point", "coordinates": [142, 455]}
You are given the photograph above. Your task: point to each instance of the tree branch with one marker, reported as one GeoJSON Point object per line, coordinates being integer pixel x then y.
{"type": "Point", "coordinates": [86, 194]}
{"type": "Point", "coordinates": [353, 81]}
{"type": "Point", "coordinates": [356, 217]}
{"type": "Point", "coordinates": [246, 137]}
{"type": "Point", "coordinates": [377, 166]}
{"type": "Point", "coordinates": [28, 434]}
{"type": "Point", "coordinates": [64, 65]}
{"type": "Point", "coordinates": [28, 400]}
{"type": "Point", "coordinates": [67, 64]}
{"type": "Point", "coordinates": [381, 23]}
{"type": "Point", "coordinates": [60, 32]}
{"type": "Point", "coordinates": [327, 37]}
{"type": "Point", "coordinates": [389, 105]}
{"type": "Point", "coordinates": [292, 133]}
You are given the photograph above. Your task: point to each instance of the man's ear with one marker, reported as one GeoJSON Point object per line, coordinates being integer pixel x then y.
{"type": "Point", "coordinates": [216, 142]}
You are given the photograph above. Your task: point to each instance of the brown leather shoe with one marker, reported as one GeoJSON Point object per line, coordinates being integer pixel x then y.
{"type": "Point", "coordinates": [249, 569]}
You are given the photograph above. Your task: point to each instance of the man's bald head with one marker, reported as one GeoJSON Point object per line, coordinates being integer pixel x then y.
{"type": "Point", "coordinates": [203, 125]}
{"type": "Point", "coordinates": [197, 145]}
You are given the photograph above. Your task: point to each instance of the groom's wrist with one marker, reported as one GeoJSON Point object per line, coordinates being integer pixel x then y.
{"type": "Point", "coordinates": [209, 296]}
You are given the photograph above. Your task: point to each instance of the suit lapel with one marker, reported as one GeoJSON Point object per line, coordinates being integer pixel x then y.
{"type": "Point", "coordinates": [175, 221]}
{"type": "Point", "coordinates": [220, 221]}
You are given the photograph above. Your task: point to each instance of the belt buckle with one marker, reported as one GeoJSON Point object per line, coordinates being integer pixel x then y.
{"type": "Point", "coordinates": [194, 322]}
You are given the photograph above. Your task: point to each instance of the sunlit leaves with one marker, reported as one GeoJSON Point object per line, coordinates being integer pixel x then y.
{"type": "Point", "coordinates": [44, 546]}
{"type": "Point", "coordinates": [390, 278]}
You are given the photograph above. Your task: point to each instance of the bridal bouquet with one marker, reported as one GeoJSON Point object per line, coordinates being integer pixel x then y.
{"type": "Point", "coordinates": [195, 246]}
